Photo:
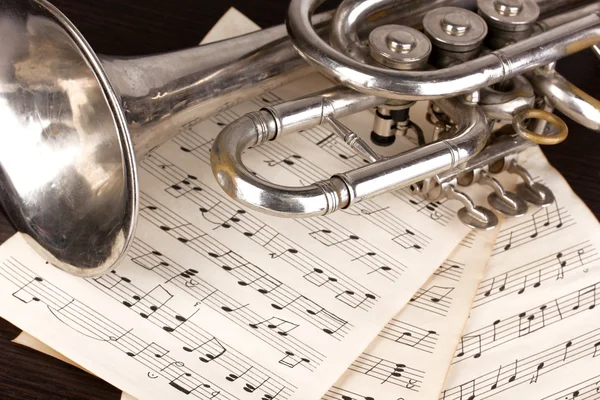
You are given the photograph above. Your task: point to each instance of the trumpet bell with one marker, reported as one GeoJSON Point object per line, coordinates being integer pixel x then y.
{"type": "Point", "coordinates": [66, 159]}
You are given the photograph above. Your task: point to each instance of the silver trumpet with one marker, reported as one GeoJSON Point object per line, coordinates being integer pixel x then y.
{"type": "Point", "coordinates": [74, 122]}
{"type": "Point", "coordinates": [475, 69]}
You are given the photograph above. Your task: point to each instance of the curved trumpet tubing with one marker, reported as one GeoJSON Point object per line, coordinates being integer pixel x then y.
{"type": "Point", "coordinates": [344, 189]}
{"type": "Point", "coordinates": [566, 97]}
{"type": "Point", "coordinates": [86, 118]}
{"type": "Point", "coordinates": [495, 67]}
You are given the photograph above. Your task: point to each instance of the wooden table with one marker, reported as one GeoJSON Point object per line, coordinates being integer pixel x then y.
{"type": "Point", "coordinates": [135, 27]}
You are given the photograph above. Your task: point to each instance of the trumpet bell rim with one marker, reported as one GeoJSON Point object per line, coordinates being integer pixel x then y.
{"type": "Point", "coordinates": [75, 197]}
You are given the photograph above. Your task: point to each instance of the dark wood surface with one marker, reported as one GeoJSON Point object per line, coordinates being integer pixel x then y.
{"type": "Point", "coordinates": [135, 27]}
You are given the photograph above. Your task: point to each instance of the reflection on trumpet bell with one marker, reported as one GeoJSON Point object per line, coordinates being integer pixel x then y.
{"type": "Point", "coordinates": [76, 122]}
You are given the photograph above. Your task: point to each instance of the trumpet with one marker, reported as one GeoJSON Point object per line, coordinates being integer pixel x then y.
{"type": "Point", "coordinates": [475, 69]}
{"type": "Point", "coordinates": [76, 122]}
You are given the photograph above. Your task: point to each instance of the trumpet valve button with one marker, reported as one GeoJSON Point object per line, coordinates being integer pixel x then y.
{"type": "Point", "coordinates": [399, 47]}
{"type": "Point", "coordinates": [456, 23]}
{"type": "Point", "coordinates": [454, 29]}
{"type": "Point", "coordinates": [400, 41]}
{"type": "Point", "coordinates": [536, 194]}
{"type": "Point", "coordinates": [509, 15]}
{"type": "Point", "coordinates": [508, 8]}
{"type": "Point", "coordinates": [479, 218]}
{"type": "Point", "coordinates": [509, 204]}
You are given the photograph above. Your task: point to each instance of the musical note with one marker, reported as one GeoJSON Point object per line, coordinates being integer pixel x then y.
{"type": "Point", "coordinates": [462, 345]}
{"type": "Point", "coordinates": [264, 283]}
{"type": "Point", "coordinates": [434, 297]}
{"type": "Point", "coordinates": [495, 385]}
{"type": "Point", "coordinates": [569, 344]}
{"type": "Point", "coordinates": [281, 326]}
{"type": "Point", "coordinates": [150, 260]}
{"type": "Point", "coordinates": [211, 349]}
{"type": "Point", "coordinates": [522, 290]}
{"type": "Point", "coordinates": [596, 345]}
{"type": "Point", "coordinates": [429, 333]}
{"type": "Point", "coordinates": [494, 324]}
{"type": "Point", "coordinates": [368, 254]}
{"type": "Point", "coordinates": [396, 372]}
{"type": "Point", "coordinates": [151, 302]}
{"type": "Point", "coordinates": [250, 388]}
{"type": "Point", "coordinates": [534, 379]}
{"type": "Point", "coordinates": [508, 246]}
{"type": "Point", "coordinates": [185, 233]}
{"type": "Point", "coordinates": [234, 218]}
{"type": "Point", "coordinates": [409, 233]}
{"type": "Point", "coordinates": [580, 252]}
{"type": "Point", "coordinates": [472, 396]}
{"type": "Point", "coordinates": [325, 232]}
{"type": "Point", "coordinates": [285, 251]}
{"type": "Point", "coordinates": [152, 348]}
{"type": "Point", "coordinates": [330, 323]}
{"type": "Point", "coordinates": [443, 269]}
{"type": "Point", "coordinates": [503, 286]}
{"type": "Point", "coordinates": [408, 334]}
{"type": "Point", "coordinates": [255, 232]}
{"type": "Point", "coordinates": [253, 276]}
{"type": "Point", "coordinates": [591, 292]}
{"type": "Point", "coordinates": [561, 269]}
{"type": "Point", "coordinates": [183, 383]}
{"type": "Point", "coordinates": [206, 143]}
{"type": "Point", "coordinates": [290, 360]}
{"type": "Point", "coordinates": [184, 186]}
{"type": "Point", "coordinates": [318, 278]}
{"type": "Point", "coordinates": [351, 299]}
{"type": "Point", "coordinates": [34, 290]}
{"type": "Point", "coordinates": [110, 281]}
{"type": "Point", "coordinates": [179, 320]}
{"type": "Point", "coordinates": [514, 375]}
{"type": "Point", "coordinates": [489, 291]}
{"type": "Point", "coordinates": [231, 310]}
{"type": "Point", "coordinates": [287, 161]}
{"type": "Point", "coordinates": [235, 377]}
{"type": "Point", "coordinates": [539, 281]}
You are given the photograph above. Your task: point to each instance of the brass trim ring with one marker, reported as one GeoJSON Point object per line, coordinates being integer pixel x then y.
{"type": "Point", "coordinates": [534, 113]}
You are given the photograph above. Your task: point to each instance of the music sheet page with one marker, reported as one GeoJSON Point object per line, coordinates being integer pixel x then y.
{"type": "Point", "coordinates": [216, 301]}
{"type": "Point", "coordinates": [534, 330]}
{"type": "Point", "coordinates": [418, 344]}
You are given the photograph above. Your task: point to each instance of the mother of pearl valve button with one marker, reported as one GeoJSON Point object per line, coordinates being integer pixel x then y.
{"type": "Point", "coordinates": [399, 47]}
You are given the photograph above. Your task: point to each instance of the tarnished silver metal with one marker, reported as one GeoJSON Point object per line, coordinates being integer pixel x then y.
{"type": "Point", "coordinates": [473, 216]}
{"type": "Point", "coordinates": [503, 101]}
{"type": "Point", "coordinates": [566, 97]}
{"type": "Point", "coordinates": [74, 122]}
{"type": "Point", "coordinates": [509, 15]}
{"type": "Point", "coordinates": [455, 29]}
{"type": "Point", "coordinates": [399, 47]}
{"type": "Point", "coordinates": [362, 183]}
{"type": "Point", "coordinates": [355, 142]}
{"type": "Point", "coordinates": [456, 34]}
{"type": "Point", "coordinates": [495, 67]}
{"type": "Point", "coordinates": [505, 202]}
{"type": "Point", "coordinates": [529, 190]}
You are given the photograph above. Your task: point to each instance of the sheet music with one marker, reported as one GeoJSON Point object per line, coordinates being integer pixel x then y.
{"type": "Point", "coordinates": [534, 330]}
{"type": "Point", "coordinates": [411, 356]}
{"type": "Point", "coordinates": [216, 301]}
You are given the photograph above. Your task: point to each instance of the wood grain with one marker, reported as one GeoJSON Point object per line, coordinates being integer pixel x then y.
{"type": "Point", "coordinates": [137, 27]}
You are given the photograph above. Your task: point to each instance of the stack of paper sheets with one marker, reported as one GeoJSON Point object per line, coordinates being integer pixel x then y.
{"type": "Point", "coordinates": [216, 301]}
